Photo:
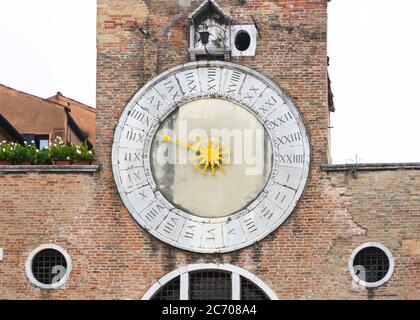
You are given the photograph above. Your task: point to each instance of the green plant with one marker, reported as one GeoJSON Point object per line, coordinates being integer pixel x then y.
{"type": "Point", "coordinates": [218, 43]}
{"type": "Point", "coordinates": [7, 150]}
{"type": "Point", "coordinates": [353, 165]}
{"type": "Point", "coordinates": [43, 157]}
{"type": "Point", "coordinates": [82, 152]}
{"type": "Point", "coordinates": [220, 40]}
{"type": "Point", "coordinates": [58, 151]}
{"type": "Point", "coordinates": [61, 151]}
{"type": "Point", "coordinates": [25, 152]}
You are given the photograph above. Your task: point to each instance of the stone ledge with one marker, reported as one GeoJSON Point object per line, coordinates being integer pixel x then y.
{"type": "Point", "coordinates": [370, 167]}
{"type": "Point", "coordinates": [50, 169]}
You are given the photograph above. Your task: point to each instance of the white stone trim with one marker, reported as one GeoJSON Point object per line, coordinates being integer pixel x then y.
{"type": "Point", "coordinates": [377, 283]}
{"type": "Point", "coordinates": [236, 286]}
{"type": "Point", "coordinates": [28, 267]}
{"type": "Point", "coordinates": [183, 273]}
{"type": "Point", "coordinates": [252, 32]}
{"type": "Point", "coordinates": [184, 286]}
{"type": "Point", "coordinates": [200, 9]}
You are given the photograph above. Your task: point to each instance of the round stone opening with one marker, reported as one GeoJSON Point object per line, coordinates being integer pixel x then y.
{"type": "Point", "coordinates": [371, 264]}
{"type": "Point", "coordinates": [242, 40]}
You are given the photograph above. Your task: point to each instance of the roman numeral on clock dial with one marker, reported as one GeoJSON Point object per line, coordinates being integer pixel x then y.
{"type": "Point", "coordinates": [233, 233]}
{"type": "Point", "coordinates": [232, 81]}
{"type": "Point", "coordinates": [191, 233]}
{"type": "Point", "coordinates": [210, 79]}
{"type": "Point", "coordinates": [153, 103]}
{"type": "Point", "coordinates": [295, 159]}
{"type": "Point", "coordinates": [252, 225]}
{"type": "Point", "coordinates": [155, 214]}
{"type": "Point", "coordinates": [129, 158]}
{"type": "Point", "coordinates": [251, 90]}
{"type": "Point", "coordinates": [211, 236]}
{"type": "Point", "coordinates": [131, 137]}
{"type": "Point", "coordinates": [281, 196]}
{"type": "Point", "coordinates": [170, 90]}
{"type": "Point", "coordinates": [268, 102]}
{"type": "Point", "coordinates": [139, 199]}
{"type": "Point", "coordinates": [132, 179]}
{"type": "Point", "coordinates": [172, 226]}
{"type": "Point", "coordinates": [189, 81]}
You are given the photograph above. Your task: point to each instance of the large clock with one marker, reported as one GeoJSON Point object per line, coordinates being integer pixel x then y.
{"type": "Point", "coordinates": [210, 157]}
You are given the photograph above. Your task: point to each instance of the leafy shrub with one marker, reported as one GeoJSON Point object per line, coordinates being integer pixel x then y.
{"type": "Point", "coordinates": [25, 152]}
{"type": "Point", "coordinates": [57, 151]}
{"type": "Point", "coordinates": [7, 150]}
{"type": "Point", "coordinates": [43, 157]}
{"type": "Point", "coordinates": [82, 152]}
{"type": "Point", "coordinates": [61, 151]}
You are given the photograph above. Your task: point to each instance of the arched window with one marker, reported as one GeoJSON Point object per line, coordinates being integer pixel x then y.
{"type": "Point", "coordinates": [210, 282]}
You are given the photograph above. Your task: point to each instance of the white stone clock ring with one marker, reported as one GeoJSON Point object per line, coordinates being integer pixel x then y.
{"type": "Point", "coordinates": [198, 134]}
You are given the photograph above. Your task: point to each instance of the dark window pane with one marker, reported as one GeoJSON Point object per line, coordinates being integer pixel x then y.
{"type": "Point", "coordinates": [28, 137]}
{"type": "Point", "coordinates": [44, 263]}
{"type": "Point", "coordinates": [242, 41]}
{"type": "Point", "coordinates": [170, 291]}
{"type": "Point", "coordinates": [250, 291]}
{"type": "Point", "coordinates": [375, 263]}
{"type": "Point", "coordinates": [210, 285]}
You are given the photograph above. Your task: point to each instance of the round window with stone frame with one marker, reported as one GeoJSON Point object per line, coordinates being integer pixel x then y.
{"type": "Point", "coordinates": [371, 264]}
{"type": "Point", "coordinates": [48, 266]}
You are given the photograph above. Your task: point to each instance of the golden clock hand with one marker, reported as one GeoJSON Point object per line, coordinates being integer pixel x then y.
{"type": "Point", "coordinates": [167, 138]}
{"type": "Point", "coordinates": [209, 155]}
{"type": "Point", "coordinates": [209, 149]}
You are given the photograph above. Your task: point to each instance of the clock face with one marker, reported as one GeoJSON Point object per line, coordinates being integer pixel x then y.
{"type": "Point", "coordinates": [198, 181]}
{"type": "Point", "coordinates": [210, 157]}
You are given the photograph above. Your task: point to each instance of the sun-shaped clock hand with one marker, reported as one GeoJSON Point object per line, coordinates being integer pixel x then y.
{"type": "Point", "coordinates": [209, 154]}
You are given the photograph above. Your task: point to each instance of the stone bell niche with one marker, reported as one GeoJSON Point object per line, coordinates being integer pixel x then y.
{"type": "Point", "coordinates": [215, 23]}
{"type": "Point", "coordinates": [213, 37]}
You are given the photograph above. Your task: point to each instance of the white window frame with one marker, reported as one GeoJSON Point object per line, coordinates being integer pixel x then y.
{"type": "Point", "coordinates": [252, 32]}
{"type": "Point", "coordinates": [184, 271]}
{"type": "Point", "coordinates": [384, 279]}
{"type": "Point", "coordinates": [31, 276]}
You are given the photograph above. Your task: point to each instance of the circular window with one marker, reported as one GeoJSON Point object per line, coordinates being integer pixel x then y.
{"type": "Point", "coordinates": [48, 266]}
{"type": "Point", "coordinates": [242, 40]}
{"type": "Point", "coordinates": [371, 264]}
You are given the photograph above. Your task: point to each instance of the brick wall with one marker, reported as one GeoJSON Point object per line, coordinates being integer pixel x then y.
{"type": "Point", "coordinates": [378, 206]}
{"type": "Point", "coordinates": [38, 209]}
{"type": "Point", "coordinates": [305, 258]}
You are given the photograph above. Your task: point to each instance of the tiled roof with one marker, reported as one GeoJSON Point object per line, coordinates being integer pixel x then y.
{"type": "Point", "coordinates": [10, 130]}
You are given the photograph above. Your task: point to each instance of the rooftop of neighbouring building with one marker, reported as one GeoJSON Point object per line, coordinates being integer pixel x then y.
{"type": "Point", "coordinates": [55, 116]}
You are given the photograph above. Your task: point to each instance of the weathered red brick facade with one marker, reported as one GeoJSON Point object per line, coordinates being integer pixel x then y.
{"type": "Point", "coordinates": [306, 258]}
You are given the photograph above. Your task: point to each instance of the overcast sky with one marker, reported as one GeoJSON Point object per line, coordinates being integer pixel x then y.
{"type": "Point", "coordinates": [374, 46]}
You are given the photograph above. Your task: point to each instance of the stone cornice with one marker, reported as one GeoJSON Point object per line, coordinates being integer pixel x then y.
{"type": "Point", "coordinates": [50, 169]}
{"type": "Point", "coordinates": [370, 167]}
